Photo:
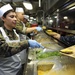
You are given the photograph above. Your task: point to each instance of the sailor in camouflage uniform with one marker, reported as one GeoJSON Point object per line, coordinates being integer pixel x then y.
{"type": "Point", "coordinates": [11, 44]}
{"type": "Point", "coordinates": [20, 25]}
{"type": "Point", "coordinates": [27, 24]}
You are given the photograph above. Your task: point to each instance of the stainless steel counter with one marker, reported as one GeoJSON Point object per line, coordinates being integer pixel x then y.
{"type": "Point", "coordinates": [62, 65]}
{"type": "Point", "coordinates": [47, 41]}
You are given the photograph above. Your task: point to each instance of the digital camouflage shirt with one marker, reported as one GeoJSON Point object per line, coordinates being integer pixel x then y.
{"type": "Point", "coordinates": [20, 27]}
{"type": "Point", "coordinates": [27, 24]}
{"type": "Point", "coordinates": [9, 49]}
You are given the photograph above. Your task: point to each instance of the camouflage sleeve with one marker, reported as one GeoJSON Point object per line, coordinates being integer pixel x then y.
{"type": "Point", "coordinates": [9, 49]}
{"type": "Point", "coordinates": [28, 24]}
{"type": "Point", "coordinates": [20, 28]}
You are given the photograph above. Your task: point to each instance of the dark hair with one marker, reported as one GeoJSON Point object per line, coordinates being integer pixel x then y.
{"type": "Point", "coordinates": [4, 15]}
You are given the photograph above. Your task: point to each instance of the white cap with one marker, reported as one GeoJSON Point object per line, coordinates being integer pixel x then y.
{"type": "Point", "coordinates": [19, 9]}
{"type": "Point", "coordinates": [4, 9]}
{"type": "Point", "coordinates": [26, 17]}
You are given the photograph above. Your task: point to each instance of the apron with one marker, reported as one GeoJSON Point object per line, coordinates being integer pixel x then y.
{"type": "Point", "coordinates": [23, 53]}
{"type": "Point", "coordinates": [10, 65]}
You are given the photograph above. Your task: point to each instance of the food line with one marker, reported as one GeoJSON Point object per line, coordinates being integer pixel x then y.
{"type": "Point", "coordinates": [41, 59]}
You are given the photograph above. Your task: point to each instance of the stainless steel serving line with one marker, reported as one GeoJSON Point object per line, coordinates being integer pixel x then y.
{"type": "Point", "coordinates": [52, 65]}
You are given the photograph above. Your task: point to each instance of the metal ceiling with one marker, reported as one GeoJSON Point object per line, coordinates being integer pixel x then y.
{"type": "Point", "coordinates": [63, 6]}
{"type": "Point", "coordinates": [16, 3]}
{"type": "Point", "coordinates": [65, 9]}
{"type": "Point", "coordinates": [36, 8]}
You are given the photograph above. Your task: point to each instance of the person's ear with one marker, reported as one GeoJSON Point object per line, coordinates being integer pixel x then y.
{"type": "Point", "coordinates": [2, 18]}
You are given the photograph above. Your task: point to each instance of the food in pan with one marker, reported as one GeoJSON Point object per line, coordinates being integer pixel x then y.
{"type": "Point", "coordinates": [47, 54]}
{"type": "Point", "coordinates": [67, 51]}
{"type": "Point", "coordinates": [44, 68]}
{"type": "Point", "coordinates": [50, 32]}
{"type": "Point", "coordinates": [44, 27]}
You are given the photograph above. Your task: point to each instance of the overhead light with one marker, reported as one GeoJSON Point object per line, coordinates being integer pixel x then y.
{"type": "Point", "coordinates": [72, 8]}
{"type": "Point", "coordinates": [31, 18]}
{"type": "Point", "coordinates": [51, 21]}
{"type": "Point", "coordinates": [55, 17]}
{"type": "Point", "coordinates": [28, 5]}
{"type": "Point", "coordinates": [39, 3]}
{"type": "Point", "coordinates": [65, 17]}
{"type": "Point", "coordinates": [34, 18]}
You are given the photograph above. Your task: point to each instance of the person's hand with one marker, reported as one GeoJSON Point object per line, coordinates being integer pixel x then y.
{"type": "Point", "coordinates": [34, 44]}
{"type": "Point", "coordinates": [39, 28]}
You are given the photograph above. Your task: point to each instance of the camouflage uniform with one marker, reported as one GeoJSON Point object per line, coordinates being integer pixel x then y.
{"type": "Point", "coordinates": [20, 27]}
{"type": "Point", "coordinates": [10, 62]}
{"type": "Point", "coordinates": [23, 35]}
{"type": "Point", "coordinates": [9, 49]}
{"type": "Point", "coordinates": [27, 24]}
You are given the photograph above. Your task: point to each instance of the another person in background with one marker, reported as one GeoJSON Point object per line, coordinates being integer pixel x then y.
{"type": "Point", "coordinates": [11, 44]}
{"type": "Point", "coordinates": [20, 25]}
{"type": "Point", "coordinates": [26, 21]}
{"type": "Point", "coordinates": [68, 40]}
{"type": "Point", "coordinates": [27, 24]}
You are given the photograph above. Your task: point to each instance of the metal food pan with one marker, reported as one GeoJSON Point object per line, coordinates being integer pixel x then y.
{"type": "Point", "coordinates": [42, 67]}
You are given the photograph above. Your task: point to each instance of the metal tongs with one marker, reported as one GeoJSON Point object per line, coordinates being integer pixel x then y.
{"type": "Point", "coordinates": [47, 49]}
{"type": "Point", "coordinates": [44, 49]}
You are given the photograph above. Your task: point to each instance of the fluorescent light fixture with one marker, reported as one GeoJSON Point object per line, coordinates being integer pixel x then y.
{"type": "Point", "coordinates": [28, 5]}
{"type": "Point", "coordinates": [39, 3]}
{"type": "Point", "coordinates": [31, 18]}
{"type": "Point", "coordinates": [72, 8]}
{"type": "Point", "coordinates": [55, 17]}
{"type": "Point", "coordinates": [51, 21]}
{"type": "Point", "coordinates": [34, 18]}
{"type": "Point", "coordinates": [65, 17]}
